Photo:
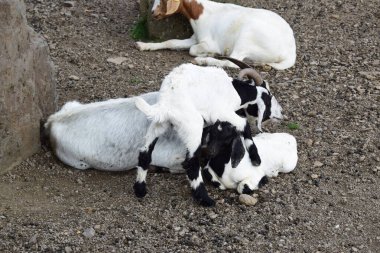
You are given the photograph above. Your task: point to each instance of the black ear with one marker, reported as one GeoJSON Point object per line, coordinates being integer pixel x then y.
{"type": "Point", "coordinates": [265, 85]}
{"type": "Point", "coordinates": [238, 151]}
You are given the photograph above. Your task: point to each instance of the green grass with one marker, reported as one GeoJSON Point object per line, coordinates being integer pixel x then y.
{"type": "Point", "coordinates": [293, 126]}
{"type": "Point", "coordinates": [135, 81]}
{"type": "Point", "coordinates": [140, 30]}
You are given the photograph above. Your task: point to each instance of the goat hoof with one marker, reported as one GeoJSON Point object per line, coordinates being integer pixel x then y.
{"type": "Point", "coordinates": [207, 202]}
{"type": "Point", "coordinates": [247, 190]}
{"type": "Point", "coordinates": [263, 181]}
{"type": "Point", "coordinates": [140, 189]}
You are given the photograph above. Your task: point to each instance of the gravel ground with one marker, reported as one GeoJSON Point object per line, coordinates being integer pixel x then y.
{"type": "Point", "coordinates": [330, 203]}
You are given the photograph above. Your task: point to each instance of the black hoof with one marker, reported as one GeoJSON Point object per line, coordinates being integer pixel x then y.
{"type": "Point", "coordinates": [140, 189]}
{"type": "Point", "coordinates": [200, 194]}
{"type": "Point", "coordinates": [215, 184]}
{"type": "Point", "coordinates": [263, 181]}
{"type": "Point", "coordinates": [207, 202]}
{"type": "Point", "coordinates": [247, 190]}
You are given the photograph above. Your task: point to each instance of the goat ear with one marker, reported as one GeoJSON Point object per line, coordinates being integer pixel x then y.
{"type": "Point", "coordinates": [172, 6]}
{"type": "Point", "coordinates": [238, 151]}
{"type": "Point", "coordinates": [265, 85]}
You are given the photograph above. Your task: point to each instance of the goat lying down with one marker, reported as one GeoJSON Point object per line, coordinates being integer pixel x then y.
{"type": "Point", "coordinates": [108, 135]}
{"type": "Point", "coordinates": [189, 96]}
{"type": "Point", "coordinates": [259, 35]}
{"type": "Point", "coordinates": [278, 153]}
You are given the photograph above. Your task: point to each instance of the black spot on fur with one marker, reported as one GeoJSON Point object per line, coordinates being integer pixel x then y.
{"type": "Point", "coordinates": [241, 112]}
{"type": "Point", "coordinates": [139, 189]}
{"type": "Point", "coordinates": [253, 110]}
{"type": "Point", "coordinates": [268, 104]}
{"type": "Point", "coordinates": [254, 155]}
{"type": "Point", "coordinates": [200, 194]}
{"type": "Point", "coordinates": [247, 134]}
{"type": "Point", "coordinates": [246, 90]}
{"type": "Point", "coordinates": [247, 190]}
{"type": "Point", "coordinates": [192, 166]}
{"type": "Point", "coordinates": [206, 175]}
{"type": "Point", "coordinates": [263, 181]}
{"type": "Point", "coordinates": [145, 157]}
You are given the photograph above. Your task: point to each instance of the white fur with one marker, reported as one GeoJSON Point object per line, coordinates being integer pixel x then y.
{"type": "Point", "coordinates": [108, 135]}
{"type": "Point", "coordinates": [278, 153]}
{"type": "Point", "coordinates": [190, 95]}
{"type": "Point", "coordinates": [239, 32]}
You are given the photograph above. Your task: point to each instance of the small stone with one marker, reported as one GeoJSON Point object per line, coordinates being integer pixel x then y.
{"type": "Point", "coordinates": [318, 164]}
{"type": "Point", "coordinates": [370, 75]}
{"type": "Point", "coordinates": [33, 239]}
{"type": "Point", "coordinates": [79, 181]}
{"type": "Point", "coordinates": [267, 68]}
{"type": "Point", "coordinates": [314, 176]}
{"type": "Point", "coordinates": [131, 66]}
{"type": "Point", "coordinates": [68, 249]}
{"type": "Point", "coordinates": [177, 228]}
{"type": "Point", "coordinates": [309, 142]}
{"type": "Point", "coordinates": [69, 4]}
{"type": "Point", "coordinates": [88, 232]}
{"type": "Point", "coordinates": [212, 215]}
{"type": "Point", "coordinates": [247, 200]}
{"type": "Point", "coordinates": [312, 114]}
{"type": "Point", "coordinates": [97, 227]}
{"type": "Point", "coordinates": [220, 201]}
{"type": "Point", "coordinates": [354, 249]}
{"type": "Point", "coordinates": [335, 16]}
{"type": "Point", "coordinates": [73, 77]}
{"type": "Point", "coordinates": [117, 60]}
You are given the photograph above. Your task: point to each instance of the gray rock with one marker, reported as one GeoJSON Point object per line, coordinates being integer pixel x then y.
{"type": "Point", "coordinates": [89, 232]}
{"type": "Point", "coordinates": [27, 90]}
{"type": "Point", "coordinates": [68, 249]}
{"type": "Point", "coordinates": [247, 200]}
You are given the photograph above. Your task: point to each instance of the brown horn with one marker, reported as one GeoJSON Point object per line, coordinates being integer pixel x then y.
{"type": "Point", "coordinates": [240, 64]}
{"type": "Point", "coordinates": [251, 74]}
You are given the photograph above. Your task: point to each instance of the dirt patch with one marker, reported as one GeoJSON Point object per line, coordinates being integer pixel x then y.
{"type": "Point", "coordinates": [330, 203]}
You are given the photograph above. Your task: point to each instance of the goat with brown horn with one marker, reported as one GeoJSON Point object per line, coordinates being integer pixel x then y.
{"type": "Point", "coordinates": [246, 70]}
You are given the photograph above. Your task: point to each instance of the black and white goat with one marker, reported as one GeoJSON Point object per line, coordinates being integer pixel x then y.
{"type": "Point", "coordinates": [190, 96]}
{"type": "Point", "coordinates": [278, 153]}
{"type": "Point", "coordinates": [259, 35]}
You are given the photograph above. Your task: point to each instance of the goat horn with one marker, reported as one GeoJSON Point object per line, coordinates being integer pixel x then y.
{"type": "Point", "coordinates": [251, 74]}
{"type": "Point", "coordinates": [240, 64]}
{"type": "Point", "coordinates": [246, 70]}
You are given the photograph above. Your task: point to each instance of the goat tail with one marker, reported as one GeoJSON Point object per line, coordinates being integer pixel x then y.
{"type": "Point", "coordinates": [153, 112]}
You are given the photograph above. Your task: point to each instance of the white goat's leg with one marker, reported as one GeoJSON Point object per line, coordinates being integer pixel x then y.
{"type": "Point", "coordinates": [145, 157]}
{"type": "Point", "coordinates": [203, 49]}
{"type": "Point", "coordinates": [210, 61]}
{"type": "Point", "coordinates": [191, 134]}
{"type": "Point", "coordinates": [169, 44]}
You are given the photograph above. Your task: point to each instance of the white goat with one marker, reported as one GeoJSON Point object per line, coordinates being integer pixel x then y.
{"type": "Point", "coordinates": [108, 135]}
{"type": "Point", "coordinates": [259, 35]}
{"type": "Point", "coordinates": [278, 153]}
